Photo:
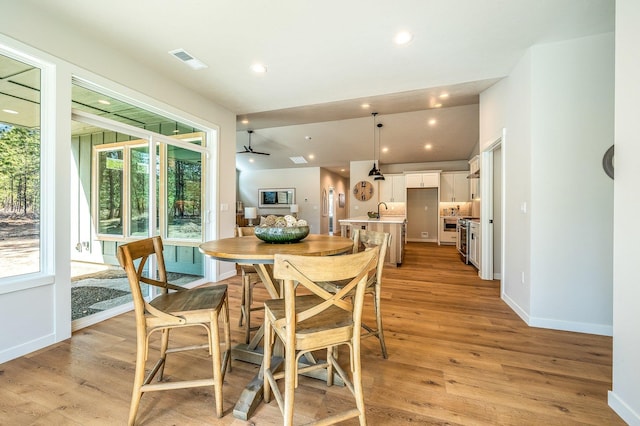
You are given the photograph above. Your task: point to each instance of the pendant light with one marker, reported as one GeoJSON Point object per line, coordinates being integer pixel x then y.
{"type": "Point", "coordinates": [379, 175]}
{"type": "Point", "coordinates": [374, 170]}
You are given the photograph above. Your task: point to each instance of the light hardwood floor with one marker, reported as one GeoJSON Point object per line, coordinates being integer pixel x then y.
{"type": "Point", "coordinates": [457, 356]}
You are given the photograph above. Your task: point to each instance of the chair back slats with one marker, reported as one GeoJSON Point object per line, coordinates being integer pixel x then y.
{"type": "Point", "coordinates": [307, 270]}
{"type": "Point", "coordinates": [141, 251]}
{"type": "Point", "coordinates": [379, 239]}
{"type": "Point", "coordinates": [245, 231]}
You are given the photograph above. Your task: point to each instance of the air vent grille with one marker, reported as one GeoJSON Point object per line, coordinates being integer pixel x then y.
{"type": "Point", "coordinates": [188, 59]}
{"type": "Point", "coordinates": [182, 55]}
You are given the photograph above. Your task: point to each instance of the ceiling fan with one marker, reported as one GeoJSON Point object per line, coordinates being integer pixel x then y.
{"type": "Point", "coordinates": [248, 149]}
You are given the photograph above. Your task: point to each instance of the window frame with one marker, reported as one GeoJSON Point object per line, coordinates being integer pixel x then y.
{"type": "Point", "coordinates": [46, 261]}
{"type": "Point", "coordinates": [153, 140]}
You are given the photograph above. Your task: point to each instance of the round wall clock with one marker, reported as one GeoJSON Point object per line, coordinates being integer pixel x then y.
{"type": "Point", "coordinates": [363, 190]}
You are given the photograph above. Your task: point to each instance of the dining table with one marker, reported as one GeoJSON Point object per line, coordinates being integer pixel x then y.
{"type": "Point", "coordinates": [261, 254]}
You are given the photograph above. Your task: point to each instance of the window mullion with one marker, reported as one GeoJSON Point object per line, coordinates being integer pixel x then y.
{"type": "Point", "coordinates": [126, 192]}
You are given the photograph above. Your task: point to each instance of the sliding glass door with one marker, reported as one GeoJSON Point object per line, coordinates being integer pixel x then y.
{"type": "Point", "coordinates": [133, 182]}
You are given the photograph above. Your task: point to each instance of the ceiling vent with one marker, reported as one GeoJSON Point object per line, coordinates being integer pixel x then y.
{"type": "Point", "coordinates": [298, 160]}
{"type": "Point", "coordinates": [188, 59]}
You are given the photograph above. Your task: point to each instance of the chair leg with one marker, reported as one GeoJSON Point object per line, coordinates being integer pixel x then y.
{"type": "Point", "coordinates": [217, 364]}
{"type": "Point", "coordinates": [246, 308]}
{"type": "Point", "coordinates": [380, 332]}
{"type": "Point", "coordinates": [164, 344]}
{"type": "Point", "coordinates": [138, 379]}
{"type": "Point", "coordinates": [356, 372]}
{"type": "Point", "coordinates": [242, 300]}
{"type": "Point", "coordinates": [290, 377]}
{"type": "Point", "coordinates": [227, 337]}
{"type": "Point", "coordinates": [266, 361]}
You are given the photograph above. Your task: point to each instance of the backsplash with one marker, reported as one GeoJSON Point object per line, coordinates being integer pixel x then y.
{"type": "Point", "coordinates": [455, 209]}
{"type": "Point", "coordinates": [393, 209]}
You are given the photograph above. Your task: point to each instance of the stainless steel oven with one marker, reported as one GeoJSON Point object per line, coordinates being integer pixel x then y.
{"type": "Point", "coordinates": [462, 241]}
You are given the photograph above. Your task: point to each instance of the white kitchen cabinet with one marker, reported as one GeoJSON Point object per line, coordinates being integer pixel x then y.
{"type": "Point", "coordinates": [474, 243]}
{"type": "Point", "coordinates": [422, 180]}
{"type": "Point", "coordinates": [393, 189]}
{"type": "Point", "coordinates": [474, 183]}
{"type": "Point", "coordinates": [454, 187]}
{"type": "Point", "coordinates": [447, 234]}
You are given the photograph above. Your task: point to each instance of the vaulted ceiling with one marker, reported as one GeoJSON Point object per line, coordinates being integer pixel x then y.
{"type": "Point", "coordinates": [326, 59]}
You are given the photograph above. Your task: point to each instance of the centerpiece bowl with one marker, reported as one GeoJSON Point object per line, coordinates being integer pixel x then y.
{"type": "Point", "coordinates": [281, 235]}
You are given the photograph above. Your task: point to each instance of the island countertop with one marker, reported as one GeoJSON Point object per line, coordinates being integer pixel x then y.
{"type": "Point", "coordinates": [394, 225]}
{"type": "Point", "coordinates": [385, 219]}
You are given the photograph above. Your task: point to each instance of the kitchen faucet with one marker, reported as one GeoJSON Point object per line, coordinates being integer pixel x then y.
{"type": "Point", "coordinates": [385, 207]}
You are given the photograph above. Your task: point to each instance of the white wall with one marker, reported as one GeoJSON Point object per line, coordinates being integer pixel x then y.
{"type": "Point", "coordinates": [305, 180]}
{"type": "Point", "coordinates": [507, 105]}
{"type": "Point", "coordinates": [625, 396]}
{"type": "Point", "coordinates": [556, 106]}
{"type": "Point", "coordinates": [43, 306]}
{"type": "Point", "coordinates": [572, 127]}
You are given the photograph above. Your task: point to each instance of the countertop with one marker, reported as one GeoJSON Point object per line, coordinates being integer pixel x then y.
{"type": "Point", "coordinates": [386, 219]}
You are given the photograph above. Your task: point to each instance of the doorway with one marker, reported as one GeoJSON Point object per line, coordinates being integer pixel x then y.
{"type": "Point", "coordinates": [492, 209]}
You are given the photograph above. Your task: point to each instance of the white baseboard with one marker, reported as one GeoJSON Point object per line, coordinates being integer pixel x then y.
{"type": "Point", "coordinates": [26, 348]}
{"type": "Point", "coordinates": [422, 240]}
{"type": "Point", "coordinates": [578, 327]}
{"type": "Point", "coordinates": [623, 409]}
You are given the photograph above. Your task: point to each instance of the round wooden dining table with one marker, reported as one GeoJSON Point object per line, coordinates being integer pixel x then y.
{"type": "Point", "coordinates": [251, 250]}
{"type": "Point", "coordinates": [254, 251]}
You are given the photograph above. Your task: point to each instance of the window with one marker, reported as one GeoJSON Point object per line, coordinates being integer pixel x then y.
{"type": "Point", "coordinates": [180, 190]}
{"type": "Point", "coordinates": [20, 165]}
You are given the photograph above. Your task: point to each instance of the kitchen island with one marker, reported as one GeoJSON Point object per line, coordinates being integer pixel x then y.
{"type": "Point", "coordinates": [394, 225]}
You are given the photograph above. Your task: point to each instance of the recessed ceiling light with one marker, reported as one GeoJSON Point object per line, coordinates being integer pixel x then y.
{"type": "Point", "coordinates": [245, 121]}
{"type": "Point", "coordinates": [259, 68]}
{"type": "Point", "coordinates": [365, 106]}
{"type": "Point", "coordinates": [311, 156]}
{"type": "Point", "coordinates": [427, 146]}
{"type": "Point", "coordinates": [403, 37]}
{"type": "Point", "coordinates": [432, 122]}
{"type": "Point", "coordinates": [104, 102]}
{"type": "Point", "coordinates": [308, 138]}
{"type": "Point", "coordinates": [10, 111]}
{"type": "Point", "coordinates": [385, 149]}
{"type": "Point", "coordinates": [251, 160]}
{"type": "Point", "coordinates": [342, 170]}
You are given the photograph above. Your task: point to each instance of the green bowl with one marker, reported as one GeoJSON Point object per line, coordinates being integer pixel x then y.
{"type": "Point", "coordinates": [290, 234]}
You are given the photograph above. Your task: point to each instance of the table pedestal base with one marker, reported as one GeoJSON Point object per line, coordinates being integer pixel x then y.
{"type": "Point", "coordinates": [253, 392]}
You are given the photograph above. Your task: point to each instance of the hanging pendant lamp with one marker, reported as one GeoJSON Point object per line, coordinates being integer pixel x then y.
{"type": "Point", "coordinates": [374, 170]}
{"type": "Point", "coordinates": [379, 175]}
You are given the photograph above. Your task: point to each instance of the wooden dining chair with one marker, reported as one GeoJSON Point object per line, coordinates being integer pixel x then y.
{"type": "Point", "coordinates": [317, 320]}
{"type": "Point", "coordinates": [175, 307]}
{"type": "Point", "coordinates": [366, 239]}
{"type": "Point", "coordinates": [249, 280]}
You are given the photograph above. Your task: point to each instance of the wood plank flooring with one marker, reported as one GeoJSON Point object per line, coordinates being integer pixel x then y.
{"type": "Point", "coordinates": [457, 356]}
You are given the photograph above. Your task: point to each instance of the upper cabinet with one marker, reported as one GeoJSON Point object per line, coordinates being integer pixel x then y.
{"type": "Point", "coordinates": [422, 180]}
{"type": "Point", "coordinates": [474, 182]}
{"type": "Point", "coordinates": [454, 187]}
{"type": "Point", "coordinates": [393, 189]}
